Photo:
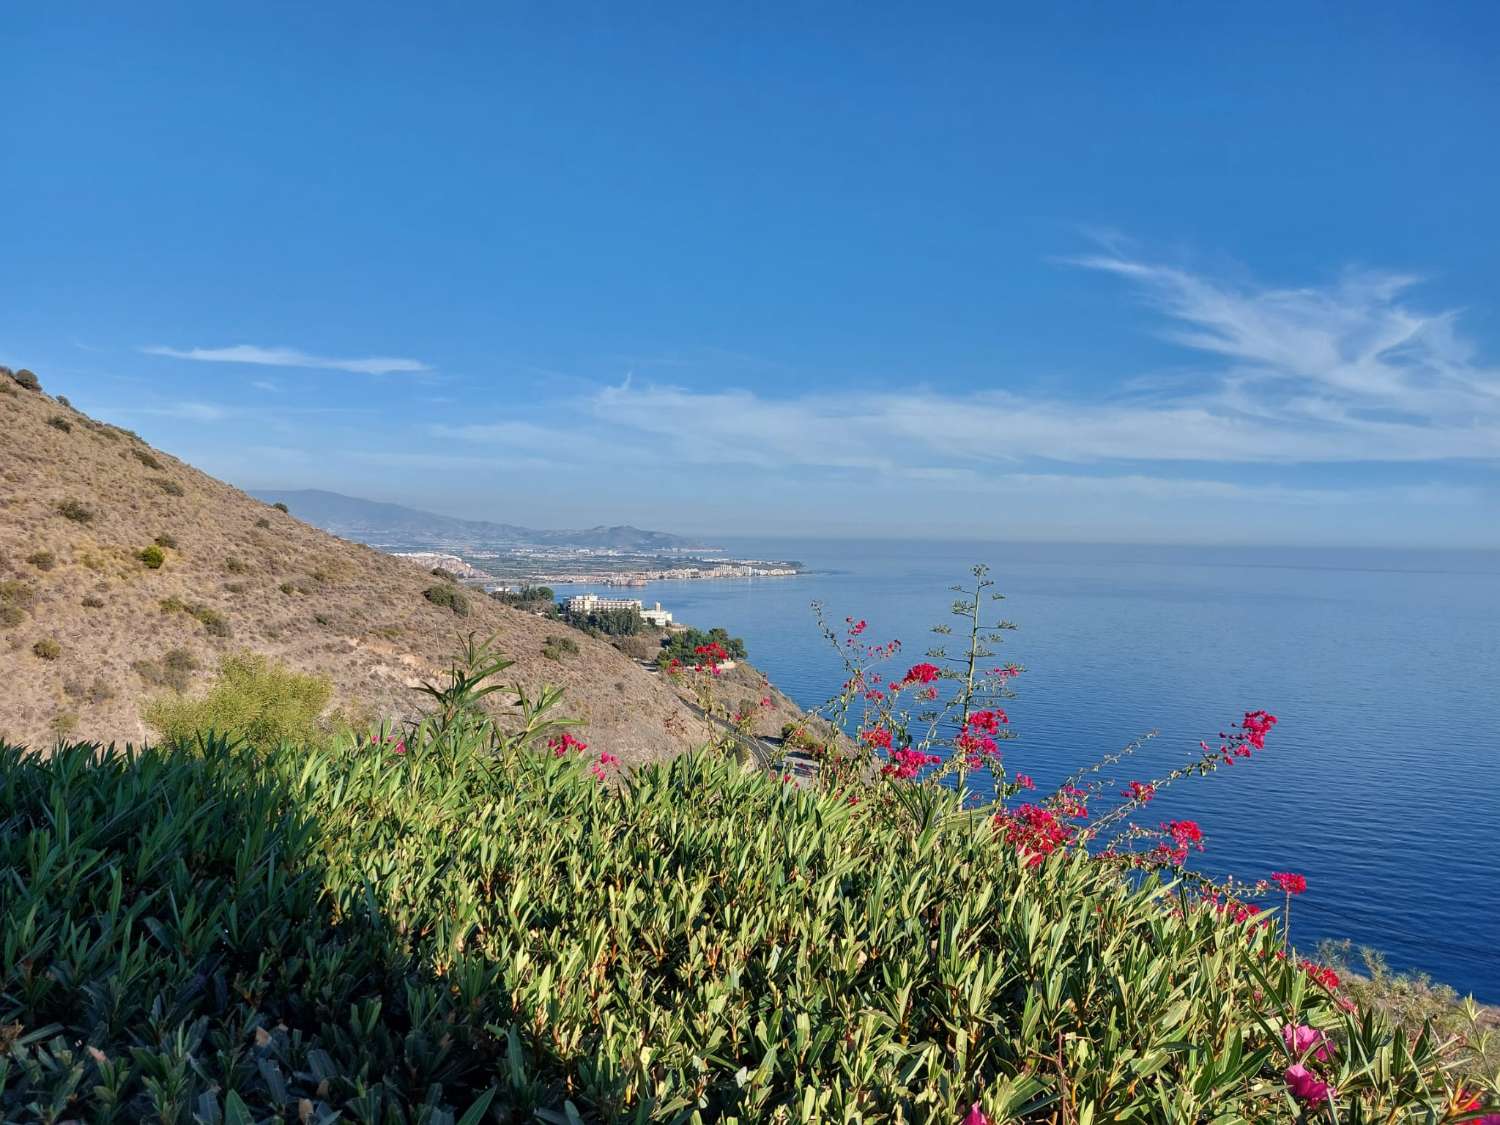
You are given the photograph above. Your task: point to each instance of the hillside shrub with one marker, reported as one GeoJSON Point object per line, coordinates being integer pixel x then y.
{"type": "Point", "coordinates": [170, 487]}
{"type": "Point", "coordinates": [555, 648]}
{"type": "Point", "coordinates": [145, 457]}
{"type": "Point", "coordinates": [213, 622]}
{"type": "Point", "coordinates": [27, 380]}
{"type": "Point", "coordinates": [250, 699]}
{"type": "Point", "coordinates": [173, 669]}
{"type": "Point", "coordinates": [47, 649]}
{"type": "Point", "coordinates": [261, 521]}
{"type": "Point", "coordinates": [58, 422]}
{"type": "Point", "coordinates": [151, 557]}
{"type": "Point", "coordinates": [166, 540]}
{"type": "Point", "coordinates": [235, 565]}
{"type": "Point", "coordinates": [445, 575]}
{"type": "Point", "coordinates": [449, 597]}
{"type": "Point", "coordinates": [63, 400]}
{"type": "Point", "coordinates": [16, 599]}
{"type": "Point", "coordinates": [75, 511]}
{"type": "Point", "coordinates": [92, 601]}
{"type": "Point", "coordinates": [280, 507]}
{"type": "Point", "coordinates": [42, 560]}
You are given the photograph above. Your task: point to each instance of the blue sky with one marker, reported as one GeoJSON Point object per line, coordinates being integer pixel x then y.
{"type": "Point", "coordinates": [1099, 272]}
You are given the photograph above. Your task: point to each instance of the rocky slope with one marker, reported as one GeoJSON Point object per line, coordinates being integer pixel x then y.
{"type": "Point", "coordinates": [90, 628]}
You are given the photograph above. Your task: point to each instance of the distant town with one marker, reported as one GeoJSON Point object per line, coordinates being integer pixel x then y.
{"type": "Point", "coordinates": [593, 566]}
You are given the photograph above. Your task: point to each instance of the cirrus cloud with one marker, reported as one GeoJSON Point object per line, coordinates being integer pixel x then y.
{"type": "Point", "coordinates": [292, 357]}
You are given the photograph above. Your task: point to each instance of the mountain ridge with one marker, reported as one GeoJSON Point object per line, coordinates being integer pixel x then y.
{"type": "Point", "coordinates": [358, 518]}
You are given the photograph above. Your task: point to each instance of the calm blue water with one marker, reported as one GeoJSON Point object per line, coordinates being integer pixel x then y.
{"type": "Point", "coordinates": [1381, 783]}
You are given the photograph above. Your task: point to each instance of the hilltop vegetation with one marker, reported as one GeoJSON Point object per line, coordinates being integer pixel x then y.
{"type": "Point", "coordinates": [116, 557]}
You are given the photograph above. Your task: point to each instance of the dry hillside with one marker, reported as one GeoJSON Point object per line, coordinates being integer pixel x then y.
{"type": "Point", "coordinates": [89, 630]}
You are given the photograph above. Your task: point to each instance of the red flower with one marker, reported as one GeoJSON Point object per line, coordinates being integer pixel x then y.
{"type": "Point", "coordinates": [560, 744]}
{"type": "Point", "coordinates": [907, 762]}
{"type": "Point", "coordinates": [921, 674]}
{"type": "Point", "coordinates": [877, 738]}
{"type": "Point", "coordinates": [1139, 791]}
{"type": "Point", "coordinates": [1290, 882]}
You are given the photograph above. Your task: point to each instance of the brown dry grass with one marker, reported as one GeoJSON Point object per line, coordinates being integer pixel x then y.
{"type": "Point", "coordinates": [95, 497]}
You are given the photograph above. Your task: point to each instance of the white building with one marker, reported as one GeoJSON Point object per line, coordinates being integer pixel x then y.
{"type": "Point", "coordinates": [593, 603]}
{"type": "Point", "coordinates": [657, 616]}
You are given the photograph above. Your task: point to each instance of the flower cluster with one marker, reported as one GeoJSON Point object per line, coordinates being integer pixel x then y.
{"type": "Point", "coordinates": [393, 742]}
{"type": "Point", "coordinates": [907, 762]}
{"type": "Point", "coordinates": [1036, 831]}
{"type": "Point", "coordinates": [1307, 1044]}
{"type": "Point", "coordinates": [1246, 737]}
{"type": "Point", "coordinates": [1290, 882]}
{"type": "Point", "coordinates": [564, 741]}
{"type": "Point", "coordinates": [975, 741]}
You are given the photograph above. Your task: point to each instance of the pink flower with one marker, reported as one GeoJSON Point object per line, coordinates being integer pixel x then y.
{"type": "Point", "coordinates": [977, 1116]}
{"type": "Point", "coordinates": [1024, 781]}
{"type": "Point", "coordinates": [1305, 1085]}
{"type": "Point", "coordinates": [1299, 1039]}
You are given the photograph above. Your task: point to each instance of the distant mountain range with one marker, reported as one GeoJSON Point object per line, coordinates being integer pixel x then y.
{"type": "Point", "coordinates": [371, 520]}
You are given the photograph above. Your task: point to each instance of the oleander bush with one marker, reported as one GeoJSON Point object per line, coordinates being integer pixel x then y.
{"type": "Point", "coordinates": [370, 930]}
{"type": "Point", "coordinates": [466, 920]}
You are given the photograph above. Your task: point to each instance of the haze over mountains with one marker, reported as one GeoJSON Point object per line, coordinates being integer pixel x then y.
{"type": "Point", "coordinates": [372, 521]}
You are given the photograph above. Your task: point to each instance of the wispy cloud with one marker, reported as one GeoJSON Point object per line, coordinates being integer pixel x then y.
{"type": "Point", "coordinates": [1346, 373]}
{"type": "Point", "coordinates": [292, 357]}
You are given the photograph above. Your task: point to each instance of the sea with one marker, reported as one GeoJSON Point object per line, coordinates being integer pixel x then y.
{"type": "Point", "coordinates": [1380, 782]}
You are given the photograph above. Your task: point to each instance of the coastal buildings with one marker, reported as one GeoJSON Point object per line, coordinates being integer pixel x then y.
{"type": "Point", "coordinates": [593, 603]}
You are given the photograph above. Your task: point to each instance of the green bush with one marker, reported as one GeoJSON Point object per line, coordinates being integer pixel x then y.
{"type": "Point", "coordinates": [151, 557]}
{"type": "Point", "coordinates": [42, 560]}
{"type": "Point", "coordinates": [250, 699]}
{"type": "Point", "coordinates": [27, 380]}
{"type": "Point", "coordinates": [235, 565]}
{"type": "Point", "coordinates": [58, 422]}
{"type": "Point", "coordinates": [555, 648]}
{"type": "Point", "coordinates": [280, 507]}
{"type": "Point", "coordinates": [145, 457]}
{"type": "Point", "coordinates": [93, 601]}
{"type": "Point", "coordinates": [449, 597]}
{"type": "Point", "coordinates": [414, 933]}
{"type": "Point", "coordinates": [75, 511]}
{"type": "Point", "coordinates": [261, 521]}
{"type": "Point", "coordinates": [170, 487]}
{"type": "Point", "coordinates": [47, 649]}
{"type": "Point", "coordinates": [165, 540]}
